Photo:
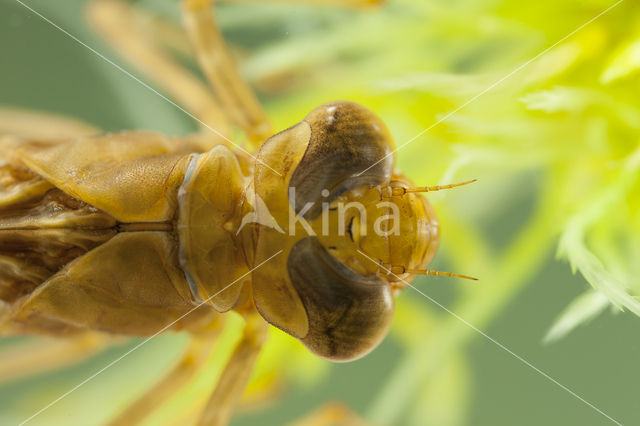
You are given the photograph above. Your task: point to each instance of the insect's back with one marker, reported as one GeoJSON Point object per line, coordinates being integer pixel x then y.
{"type": "Point", "coordinates": [86, 235]}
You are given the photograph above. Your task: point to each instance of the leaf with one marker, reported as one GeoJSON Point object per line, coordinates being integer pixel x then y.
{"type": "Point", "coordinates": [558, 99]}
{"type": "Point", "coordinates": [582, 259]}
{"type": "Point", "coordinates": [444, 400]}
{"type": "Point", "coordinates": [623, 64]}
{"type": "Point", "coordinates": [580, 311]}
{"type": "Point", "coordinates": [598, 212]}
{"type": "Point", "coordinates": [437, 83]}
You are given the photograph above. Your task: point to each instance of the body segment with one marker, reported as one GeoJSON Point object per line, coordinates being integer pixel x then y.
{"type": "Point", "coordinates": [136, 233]}
{"type": "Point", "coordinates": [91, 243]}
{"type": "Point", "coordinates": [158, 228]}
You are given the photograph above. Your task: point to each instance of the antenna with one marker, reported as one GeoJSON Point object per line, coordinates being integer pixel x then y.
{"type": "Point", "coordinates": [399, 270]}
{"type": "Point", "coordinates": [438, 273]}
{"type": "Point", "coordinates": [401, 190]}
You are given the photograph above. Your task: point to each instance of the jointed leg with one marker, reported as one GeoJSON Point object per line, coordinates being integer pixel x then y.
{"type": "Point", "coordinates": [192, 361]}
{"type": "Point", "coordinates": [31, 124]}
{"type": "Point", "coordinates": [33, 358]}
{"type": "Point", "coordinates": [122, 26]}
{"type": "Point", "coordinates": [349, 3]}
{"type": "Point", "coordinates": [233, 92]}
{"type": "Point", "coordinates": [331, 414]}
{"type": "Point", "coordinates": [236, 373]}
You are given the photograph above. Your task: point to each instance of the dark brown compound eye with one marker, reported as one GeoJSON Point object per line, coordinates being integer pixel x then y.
{"type": "Point", "coordinates": [348, 314]}
{"type": "Point", "coordinates": [347, 139]}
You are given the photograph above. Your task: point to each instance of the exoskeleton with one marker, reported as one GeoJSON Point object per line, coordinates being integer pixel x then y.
{"type": "Point", "coordinates": [136, 233]}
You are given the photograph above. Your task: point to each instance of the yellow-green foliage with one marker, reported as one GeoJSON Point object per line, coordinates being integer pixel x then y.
{"type": "Point", "coordinates": [562, 128]}
{"type": "Point", "coordinates": [570, 116]}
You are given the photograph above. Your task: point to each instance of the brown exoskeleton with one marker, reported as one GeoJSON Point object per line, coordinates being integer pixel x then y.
{"type": "Point", "coordinates": [136, 233]}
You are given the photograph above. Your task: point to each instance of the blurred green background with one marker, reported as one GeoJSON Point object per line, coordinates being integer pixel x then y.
{"type": "Point", "coordinates": [555, 149]}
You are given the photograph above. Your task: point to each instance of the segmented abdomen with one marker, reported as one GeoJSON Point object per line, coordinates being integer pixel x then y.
{"type": "Point", "coordinates": [41, 230]}
{"type": "Point", "coordinates": [87, 236]}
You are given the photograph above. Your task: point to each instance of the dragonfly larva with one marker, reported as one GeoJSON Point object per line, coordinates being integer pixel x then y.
{"type": "Point", "coordinates": [311, 230]}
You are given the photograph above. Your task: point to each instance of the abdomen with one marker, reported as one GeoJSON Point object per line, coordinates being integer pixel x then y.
{"type": "Point", "coordinates": [68, 264]}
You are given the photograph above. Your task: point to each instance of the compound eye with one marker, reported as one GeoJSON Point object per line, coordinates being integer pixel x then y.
{"type": "Point", "coordinates": [349, 314]}
{"type": "Point", "coordinates": [349, 146]}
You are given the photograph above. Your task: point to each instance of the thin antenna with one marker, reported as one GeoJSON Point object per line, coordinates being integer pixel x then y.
{"type": "Point", "coordinates": [399, 270]}
{"type": "Point", "coordinates": [400, 190]}
{"type": "Point", "coordinates": [438, 273]}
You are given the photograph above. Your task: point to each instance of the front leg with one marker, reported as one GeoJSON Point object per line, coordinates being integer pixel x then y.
{"type": "Point", "coordinates": [192, 362]}
{"type": "Point", "coordinates": [120, 25]}
{"type": "Point", "coordinates": [236, 373]}
{"type": "Point", "coordinates": [234, 93]}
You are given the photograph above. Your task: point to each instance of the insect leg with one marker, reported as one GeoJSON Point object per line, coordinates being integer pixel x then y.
{"type": "Point", "coordinates": [235, 95]}
{"type": "Point", "coordinates": [192, 361]}
{"type": "Point", "coordinates": [124, 26]}
{"type": "Point", "coordinates": [236, 373]}
{"type": "Point", "coordinates": [32, 358]}
{"type": "Point", "coordinates": [331, 413]}
{"type": "Point", "coordinates": [36, 125]}
{"type": "Point", "coordinates": [348, 3]}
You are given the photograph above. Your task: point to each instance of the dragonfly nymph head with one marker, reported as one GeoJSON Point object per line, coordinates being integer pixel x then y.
{"type": "Point", "coordinates": [352, 231]}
